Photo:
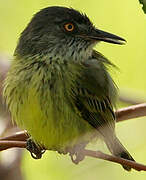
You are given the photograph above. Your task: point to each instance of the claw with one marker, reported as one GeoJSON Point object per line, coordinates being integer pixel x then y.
{"type": "Point", "coordinates": [77, 157]}
{"type": "Point", "coordinates": [76, 152]}
{"type": "Point", "coordinates": [35, 150]}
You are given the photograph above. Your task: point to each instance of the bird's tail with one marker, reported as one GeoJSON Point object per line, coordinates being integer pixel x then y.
{"type": "Point", "coordinates": [116, 148]}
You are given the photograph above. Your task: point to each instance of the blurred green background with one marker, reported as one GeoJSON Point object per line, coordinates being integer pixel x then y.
{"type": "Point", "coordinates": [124, 18]}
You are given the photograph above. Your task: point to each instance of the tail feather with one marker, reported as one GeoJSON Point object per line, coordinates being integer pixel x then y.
{"type": "Point", "coordinates": [117, 149]}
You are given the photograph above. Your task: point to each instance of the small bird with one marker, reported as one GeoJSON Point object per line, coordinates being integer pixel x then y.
{"type": "Point", "coordinates": [58, 87]}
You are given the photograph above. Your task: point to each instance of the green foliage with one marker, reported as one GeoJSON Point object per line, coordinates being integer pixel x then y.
{"type": "Point", "coordinates": [143, 2]}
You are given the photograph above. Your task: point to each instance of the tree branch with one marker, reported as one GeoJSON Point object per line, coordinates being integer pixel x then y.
{"type": "Point", "coordinates": [95, 154]}
{"type": "Point", "coordinates": [11, 144]}
{"type": "Point", "coordinates": [131, 112]}
{"type": "Point", "coordinates": [18, 136]}
{"type": "Point", "coordinates": [101, 155]}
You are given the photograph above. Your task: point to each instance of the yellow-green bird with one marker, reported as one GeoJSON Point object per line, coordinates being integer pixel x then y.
{"type": "Point", "coordinates": [58, 87]}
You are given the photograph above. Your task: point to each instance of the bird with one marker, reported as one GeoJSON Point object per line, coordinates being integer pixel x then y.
{"type": "Point", "coordinates": [58, 87]}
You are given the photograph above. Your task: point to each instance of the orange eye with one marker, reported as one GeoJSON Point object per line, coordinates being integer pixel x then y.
{"type": "Point", "coordinates": [69, 27]}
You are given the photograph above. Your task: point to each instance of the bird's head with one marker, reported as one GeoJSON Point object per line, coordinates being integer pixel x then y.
{"type": "Point", "coordinates": [62, 32]}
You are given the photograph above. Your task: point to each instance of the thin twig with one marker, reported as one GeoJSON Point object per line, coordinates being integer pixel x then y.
{"type": "Point", "coordinates": [131, 112]}
{"type": "Point", "coordinates": [95, 154]}
{"type": "Point", "coordinates": [101, 155]}
{"type": "Point", "coordinates": [11, 144]}
{"type": "Point", "coordinates": [19, 136]}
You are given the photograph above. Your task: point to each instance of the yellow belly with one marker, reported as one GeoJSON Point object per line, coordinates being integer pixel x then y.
{"type": "Point", "coordinates": [53, 130]}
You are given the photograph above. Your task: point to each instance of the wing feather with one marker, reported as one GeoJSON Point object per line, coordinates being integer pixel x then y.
{"type": "Point", "coordinates": [94, 93]}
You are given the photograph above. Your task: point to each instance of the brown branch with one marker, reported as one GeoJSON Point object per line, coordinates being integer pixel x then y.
{"type": "Point", "coordinates": [131, 112]}
{"type": "Point", "coordinates": [101, 155]}
{"type": "Point", "coordinates": [11, 144]}
{"type": "Point", "coordinates": [19, 136]}
{"type": "Point", "coordinates": [95, 154]}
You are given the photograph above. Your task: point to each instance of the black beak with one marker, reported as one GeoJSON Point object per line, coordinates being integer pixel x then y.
{"type": "Point", "coordinates": [100, 35]}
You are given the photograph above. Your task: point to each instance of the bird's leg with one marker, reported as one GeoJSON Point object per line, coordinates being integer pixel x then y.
{"type": "Point", "coordinates": [35, 149]}
{"type": "Point", "coordinates": [76, 152]}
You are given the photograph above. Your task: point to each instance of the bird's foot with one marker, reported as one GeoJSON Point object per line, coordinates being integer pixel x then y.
{"type": "Point", "coordinates": [35, 150]}
{"type": "Point", "coordinates": [76, 153]}
{"type": "Point", "coordinates": [76, 157]}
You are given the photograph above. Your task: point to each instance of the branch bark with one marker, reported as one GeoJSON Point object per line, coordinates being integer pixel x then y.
{"type": "Point", "coordinates": [101, 155]}
{"type": "Point", "coordinates": [89, 153]}
{"type": "Point", "coordinates": [131, 112]}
